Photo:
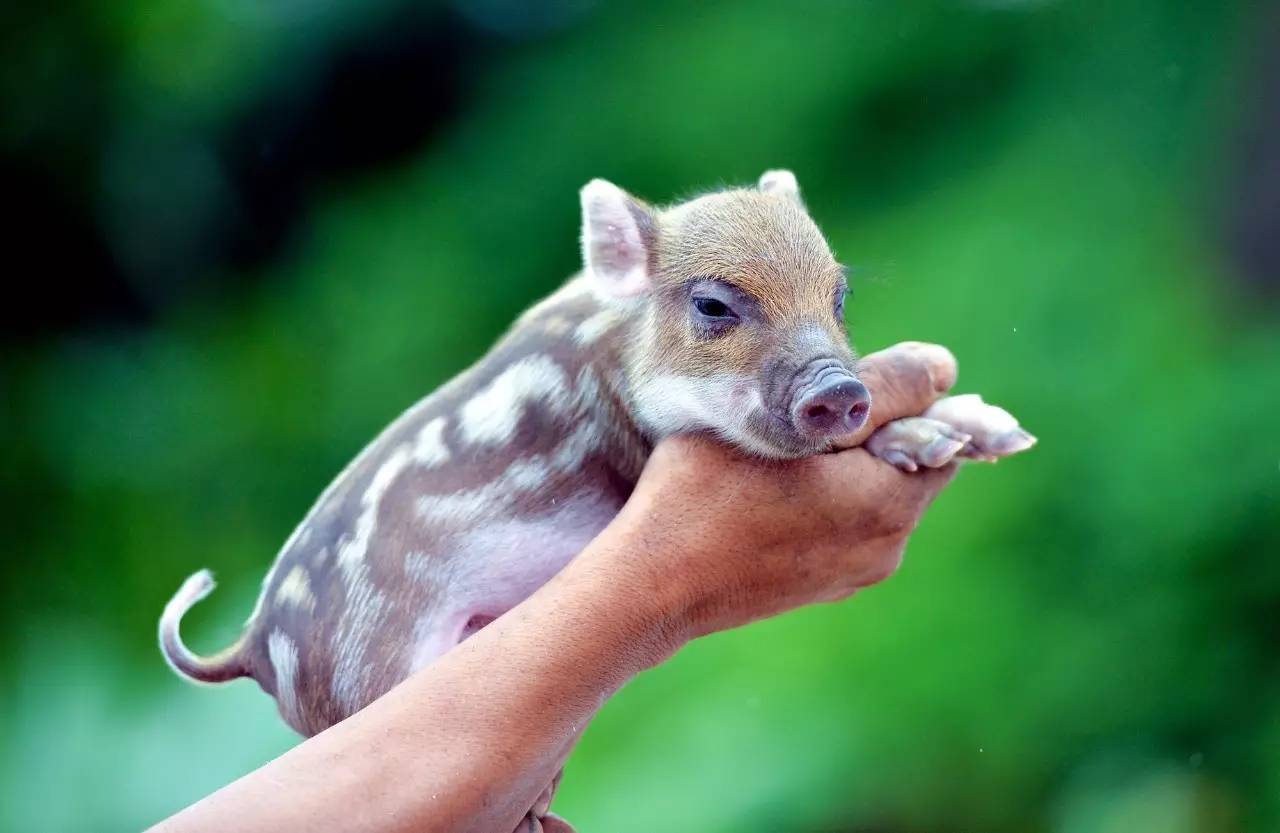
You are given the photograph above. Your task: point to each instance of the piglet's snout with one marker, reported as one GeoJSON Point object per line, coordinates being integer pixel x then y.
{"type": "Point", "coordinates": [834, 404]}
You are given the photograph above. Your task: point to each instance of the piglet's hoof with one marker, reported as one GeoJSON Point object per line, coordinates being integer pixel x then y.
{"type": "Point", "coordinates": [914, 442]}
{"type": "Point", "coordinates": [993, 431]}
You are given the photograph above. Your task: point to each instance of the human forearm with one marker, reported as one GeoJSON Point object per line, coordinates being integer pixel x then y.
{"type": "Point", "coordinates": [709, 540]}
{"type": "Point", "coordinates": [469, 743]}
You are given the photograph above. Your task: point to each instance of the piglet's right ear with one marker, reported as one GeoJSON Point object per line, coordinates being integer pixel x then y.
{"type": "Point", "coordinates": [617, 235]}
{"type": "Point", "coordinates": [783, 183]}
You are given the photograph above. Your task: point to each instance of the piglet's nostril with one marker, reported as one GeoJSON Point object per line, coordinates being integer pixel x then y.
{"type": "Point", "coordinates": [818, 412]}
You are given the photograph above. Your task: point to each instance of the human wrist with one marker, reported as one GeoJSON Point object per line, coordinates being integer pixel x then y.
{"type": "Point", "coordinates": [625, 575]}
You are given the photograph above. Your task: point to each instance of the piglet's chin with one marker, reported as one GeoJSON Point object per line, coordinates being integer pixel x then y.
{"type": "Point", "coordinates": [774, 438]}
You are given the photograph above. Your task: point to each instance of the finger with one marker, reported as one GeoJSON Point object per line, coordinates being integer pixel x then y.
{"type": "Point", "coordinates": [904, 381]}
{"type": "Point", "coordinates": [551, 823]}
{"type": "Point", "coordinates": [543, 804]}
{"type": "Point", "coordinates": [930, 482]}
{"type": "Point", "coordinates": [850, 475]}
{"type": "Point", "coordinates": [914, 493]}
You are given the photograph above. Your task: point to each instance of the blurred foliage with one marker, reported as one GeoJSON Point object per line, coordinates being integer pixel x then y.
{"type": "Point", "coordinates": [272, 226]}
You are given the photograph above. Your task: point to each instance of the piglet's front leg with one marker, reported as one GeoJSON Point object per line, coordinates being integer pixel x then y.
{"type": "Point", "coordinates": [917, 441]}
{"type": "Point", "coordinates": [957, 426]}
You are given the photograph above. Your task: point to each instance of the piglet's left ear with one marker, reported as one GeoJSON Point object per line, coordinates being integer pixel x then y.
{"type": "Point", "coordinates": [782, 183]}
{"type": "Point", "coordinates": [617, 235]}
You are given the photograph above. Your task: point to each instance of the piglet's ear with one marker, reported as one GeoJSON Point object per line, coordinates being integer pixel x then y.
{"type": "Point", "coordinates": [782, 183]}
{"type": "Point", "coordinates": [617, 235]}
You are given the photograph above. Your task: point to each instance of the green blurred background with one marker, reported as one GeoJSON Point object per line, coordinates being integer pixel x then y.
{"type": "Point", "coordinates": [245, 234]}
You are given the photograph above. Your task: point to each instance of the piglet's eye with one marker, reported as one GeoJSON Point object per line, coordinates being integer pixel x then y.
{"type": "Point", "coordinates": [713, 308]}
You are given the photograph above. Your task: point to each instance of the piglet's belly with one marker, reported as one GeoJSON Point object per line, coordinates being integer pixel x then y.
{"type": "Point", "coordinates": [497, 566]}
{"type": "Point", "coordinates": [328, 661]}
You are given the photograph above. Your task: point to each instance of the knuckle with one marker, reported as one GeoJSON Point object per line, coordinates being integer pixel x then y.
{"type": "Point", "coordinates": [914, 371]}
{"type": "Point", "coordinates": [900, 385]}
{"type": "Point", "coordinates": [888, 517]}
{"type": "Point", "coordinates": [896, 516]}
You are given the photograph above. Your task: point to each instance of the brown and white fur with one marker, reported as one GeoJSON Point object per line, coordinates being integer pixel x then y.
{"type": "Point", "coordinates": [482, 491]}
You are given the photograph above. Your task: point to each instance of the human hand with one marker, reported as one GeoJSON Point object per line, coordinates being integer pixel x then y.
{"type": "Point", "coordinates": [717, 539]}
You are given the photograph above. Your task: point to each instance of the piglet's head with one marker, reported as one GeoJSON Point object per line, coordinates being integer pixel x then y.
{"type": "Point", "coordinates": [736, 312]}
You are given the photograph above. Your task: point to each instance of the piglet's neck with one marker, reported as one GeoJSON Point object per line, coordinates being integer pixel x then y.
{"type": "Point", "coordinates": [594, 341]}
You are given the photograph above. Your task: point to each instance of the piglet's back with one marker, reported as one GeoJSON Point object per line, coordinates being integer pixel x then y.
{"type": "Point", "coordinates": [362, 592]}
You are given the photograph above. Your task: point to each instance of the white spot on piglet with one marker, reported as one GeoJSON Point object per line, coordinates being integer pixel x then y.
{"type": "Point", "coordinates": [491, 416]}
{"type": "Point", "coordinates": [521, 477]}
{"type": "Point", "coordinates": [283, 654]}
{"type": "Point", "coordinates": [557, 325]}
{"type": "Point", "coordinates": [473, 505]}
{"type": "Point", "coordinates": [595, 326]}
{"type": "Point", "coordinates": [352, 551]}
{"type": "Point", "coordinates": [295, 590]}
{"type": "Point", "coordinates": [365, 607]}
{"type": "Point", "coordinates": [429, 449]}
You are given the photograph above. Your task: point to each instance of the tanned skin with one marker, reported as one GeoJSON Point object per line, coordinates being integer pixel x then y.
{"type": "Point", "coordinates": [710, 540]}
